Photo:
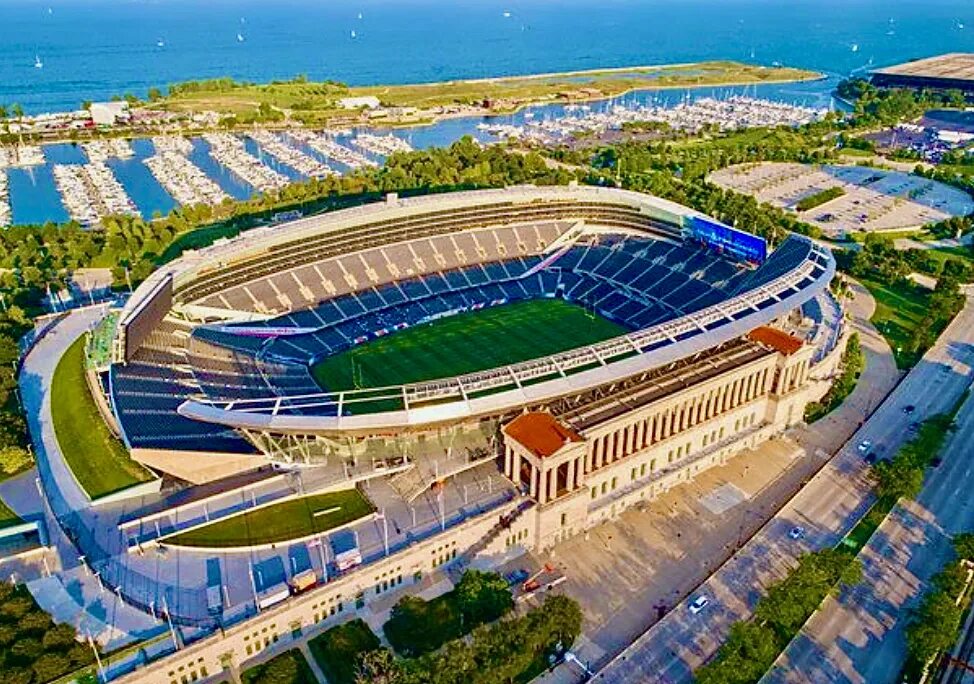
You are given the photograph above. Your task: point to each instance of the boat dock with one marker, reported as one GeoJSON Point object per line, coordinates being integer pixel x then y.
{"type": "Point", "coordinates": [172, 143]}
{"type": "Point", "coordinates": [183, 180]}
{"type": "Point", "coordinates": [228, 150]}
{"type": "Point", "coordinates": [21, 156]}
{"type": "Point", "coordinates": [91, 192]}
{"type": "Point", "coordinates": [303, 163]}
{"type": "Point", "coordinates": [382, 145]}
{"type": "Point", "coordinates": [6, 217]}
{"type": "Point", "coordinates": [112, 148]}
{"type": "Point", "coordinates": [732, 113]}
{"type": "Point", "coordinates": [326, 146]}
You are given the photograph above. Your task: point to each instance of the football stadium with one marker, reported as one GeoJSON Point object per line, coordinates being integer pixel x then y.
{"type": "Point", "coordinates": [367, 339]}
{"type": "Point", "coordinates": [458, 378]}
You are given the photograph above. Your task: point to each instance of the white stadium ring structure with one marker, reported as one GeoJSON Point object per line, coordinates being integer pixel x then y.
{"type": "Point", "coordinates": [213, 350]}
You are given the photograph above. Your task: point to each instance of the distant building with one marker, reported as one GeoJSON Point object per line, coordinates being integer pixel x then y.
{"type": "Point", "coordinates": [109, 113]}
{"type": "Point", "coordinates": [952, 71]}
{"type": "Point", "coordinates": [367, 102]}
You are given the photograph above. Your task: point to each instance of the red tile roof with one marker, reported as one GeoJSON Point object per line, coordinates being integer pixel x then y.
{"type": "Point", "coordinates": [540, 433]}
{"type": "Point", "coordinates": [776, 339]}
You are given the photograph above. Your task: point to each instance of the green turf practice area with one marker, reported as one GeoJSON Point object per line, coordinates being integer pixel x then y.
{"type": "Point", "coordinates": [292, 519]}
{"type": "Point", "coordinates": [98, 460]}
{"type": "Point", "coordinates": [465, 343]}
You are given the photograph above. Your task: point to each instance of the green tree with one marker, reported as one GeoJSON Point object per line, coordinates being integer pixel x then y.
{"type": "Point", "coordinates": [748, 653]}
{"type": "Point", "coordinates": [378, 667]}
{"type": "Point", "coordinates": [934, 627]}
{"type": "Point", "coordinates": [964, 545]}
{"type": "Point", "coordinates": [13, 459]}
{"type": "Point", "coordinates": [50, 666]}
{"type": "Point", "coordinates": [897, 479]}
{"type": "Point", "coordinates": [482, 597]}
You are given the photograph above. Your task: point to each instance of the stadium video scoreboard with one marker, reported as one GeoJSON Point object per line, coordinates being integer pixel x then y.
{"type": "Point", "coordinates": [725, 239]}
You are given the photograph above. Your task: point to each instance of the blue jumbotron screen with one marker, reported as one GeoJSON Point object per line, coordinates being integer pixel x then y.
{"type": "Point", "coordinates": [727, 240]}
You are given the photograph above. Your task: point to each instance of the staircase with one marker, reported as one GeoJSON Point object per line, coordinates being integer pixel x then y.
{"type": "Point", "coordinates": [456, 569]}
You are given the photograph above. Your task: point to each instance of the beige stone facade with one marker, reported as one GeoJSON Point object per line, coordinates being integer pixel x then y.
{"type": "Point", "coordinates": [577, 466]}
{"type": "Point", "coordinates": [637, 454]}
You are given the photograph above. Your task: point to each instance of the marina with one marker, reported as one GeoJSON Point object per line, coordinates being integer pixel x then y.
{"type": "Point", "coordinates": [110, 148]}
{"type": "Point", "coordinates": [21, 156]}
{"type": "Point", "coordinates": [6, 217]}
{"type": "Point", "coordinates": [239, 167]}
{"type": "Point", "coordinates": [325, 145]}
{"type": "Point", "coordinates": [691, 116]}
{"type": "Point", "coordinates": [90, 192]}
{"type": "Point", "coordinates": [228, 150]}
{"type": "Point", "coordinates": [172, 143]}
{"type": "Point", "coordinates": [382, 145]}
{"type": "Point", "coordinates": [183, 180]}
{"type": "Point", "coordinates": [275, 146]}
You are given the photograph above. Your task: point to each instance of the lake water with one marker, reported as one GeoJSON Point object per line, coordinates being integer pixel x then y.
{"type": "Point", "coordinates": [93, 49]}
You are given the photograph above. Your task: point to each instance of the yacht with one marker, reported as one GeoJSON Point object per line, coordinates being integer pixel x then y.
{"type": "Point", "coordinates": [38, 64]}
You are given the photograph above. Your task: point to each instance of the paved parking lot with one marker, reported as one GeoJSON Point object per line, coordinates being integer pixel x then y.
{"type": "Point", "coordinates": [874, 199]}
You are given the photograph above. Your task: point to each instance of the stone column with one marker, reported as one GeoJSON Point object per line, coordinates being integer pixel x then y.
{"type": "Point", "coordinates": [570, 478]}
{"type": "Point", "coordinates": [508, 469]}
{"type": "Point", "coordinates": [553, 484]}
{"type": "Point", "coordinates": [542, 486]}
{"type": "Point", "coordinates": [516, 469]}
{"type": "Point", "coordinates": [534, 481]}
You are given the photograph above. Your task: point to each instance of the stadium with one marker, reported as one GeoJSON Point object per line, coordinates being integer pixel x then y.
{"type": "Point", "coordinates": [419, 339]}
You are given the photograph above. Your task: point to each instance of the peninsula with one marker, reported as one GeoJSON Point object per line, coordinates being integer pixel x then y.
{"type": "Point", "coordinates": [332, 103]}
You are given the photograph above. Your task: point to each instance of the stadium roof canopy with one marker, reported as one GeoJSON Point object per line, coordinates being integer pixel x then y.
{"type": "Point", "coordinates": [953, 70]}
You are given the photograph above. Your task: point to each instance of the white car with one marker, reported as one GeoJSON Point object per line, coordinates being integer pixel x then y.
{"type": "Point", "coordinates": [698, 604]}
{"type": "Point", "coordinates": [864, 446]}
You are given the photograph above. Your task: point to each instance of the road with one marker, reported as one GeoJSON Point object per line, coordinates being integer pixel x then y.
{"type": "Point", "coordinates": [860, 635]}
{"type": "Point", "coordinates": [828, 507]}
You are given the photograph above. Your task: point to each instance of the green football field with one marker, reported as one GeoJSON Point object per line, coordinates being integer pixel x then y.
{"type": "Point", "coordinates": [465, 343]}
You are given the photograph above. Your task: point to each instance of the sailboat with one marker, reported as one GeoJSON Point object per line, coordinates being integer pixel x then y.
{"type": "Point", "coordinates": [240, 38]}
{"type": "Point", "coordinates": [38, 64]}
{"type": "Point", "coordinates": [360, 16]}
{"type": "Point", "coordinates": [353, 33]}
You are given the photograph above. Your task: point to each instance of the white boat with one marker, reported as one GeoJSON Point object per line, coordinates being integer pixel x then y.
{"type": "Point", "coordinates": [240, 38]}
{"type": "Point", "coordinates": [855, 47]}
{"type": "Point", "coordinates": [353, 33]}
{"type": "Point", "coordinates": [160, 43]}
{"type": "Point", "coordinates": [507, 15]}
{"type": "Point", "coordinates": [38, 64]}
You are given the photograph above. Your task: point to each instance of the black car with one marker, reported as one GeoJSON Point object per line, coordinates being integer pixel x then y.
{"type": "Point", "coordinates": [909, 408]}
{"type": "Point", "coordinates": [871, 457]}
{"type": "Point", "coordinates": [936, 461]}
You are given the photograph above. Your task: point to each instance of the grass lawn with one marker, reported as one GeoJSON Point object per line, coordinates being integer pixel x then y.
{"type": "Point", "coordinates": [7, 516]}
{"type": "Point", "coordinates": [942, 254]}
{"type": "Point", "coordinates": [465, 343]}
{"type": "Point", "coordinates": [320, 100]}
{"type": "Point", "coordinates": [95, 456]}
{"type": "Point", "coordinates": [337, 650]}
{"type": "Point", "coordinates": [280, 522]}
{"type": "Point", "coordinates": [289, 667]}
{"type": "Point", "coordinates": [899, 310]}
{"type": "Point", "coordinates": [859, 535]}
